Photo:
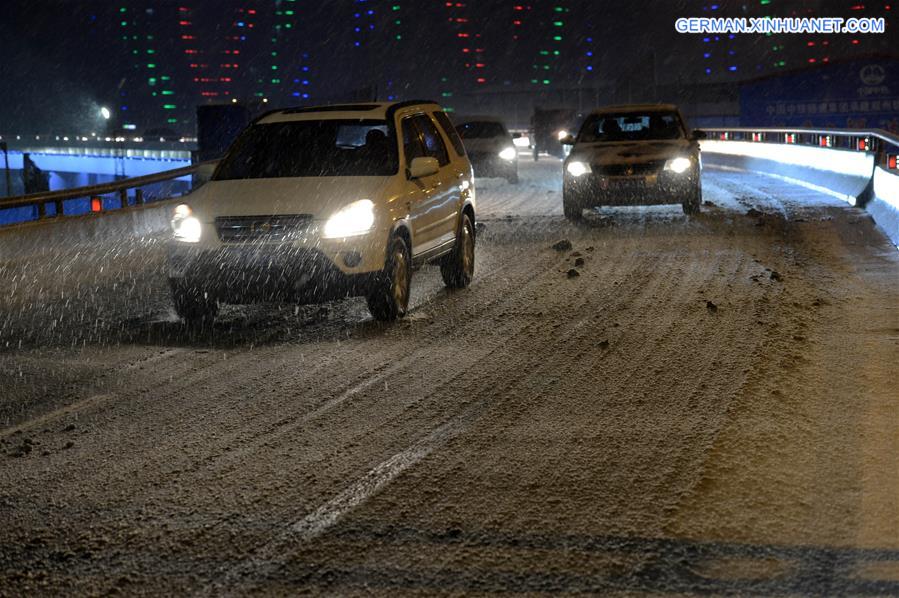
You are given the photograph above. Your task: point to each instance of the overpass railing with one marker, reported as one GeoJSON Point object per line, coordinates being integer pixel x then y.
{"type": "Point", "coordinates": [858, 166]}
{"type": "Point", "coordinates": [125, 193]}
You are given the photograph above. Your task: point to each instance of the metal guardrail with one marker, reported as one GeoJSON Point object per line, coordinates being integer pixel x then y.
{"type": "Point", "coordinates": [877, 141]}
{"type": "Point", "coordinates": [120, 188]}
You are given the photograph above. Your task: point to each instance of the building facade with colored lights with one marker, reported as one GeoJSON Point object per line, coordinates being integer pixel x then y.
{"type": "Point", "coordinates": [185, 53]}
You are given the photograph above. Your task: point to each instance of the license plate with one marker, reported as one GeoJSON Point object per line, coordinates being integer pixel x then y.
{"type": "Point", "coordinates": [637, 182]}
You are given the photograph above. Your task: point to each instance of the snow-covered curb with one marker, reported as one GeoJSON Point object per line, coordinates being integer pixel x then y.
{"type": "Point", "coordinates": [843, 174]}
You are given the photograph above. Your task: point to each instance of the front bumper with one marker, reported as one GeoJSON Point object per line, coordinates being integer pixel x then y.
{"type": "Point", "coordinates": [248, 275]}
{"type": "Point", "coordinates": [306, 270]}
{"type": "Point", "coordinates": [664, 187]}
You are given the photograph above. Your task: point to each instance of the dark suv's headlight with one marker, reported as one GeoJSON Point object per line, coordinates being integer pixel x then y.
{"type": "Point", "coordinates": [577, 168]}
{"type": "Point", "coordinates": [679, 165]}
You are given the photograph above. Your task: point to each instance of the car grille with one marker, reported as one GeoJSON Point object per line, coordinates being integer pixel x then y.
{"type": "Point", "coordinates": [238, 229]}
{"type": "Point", "coordinates": [638, 169]}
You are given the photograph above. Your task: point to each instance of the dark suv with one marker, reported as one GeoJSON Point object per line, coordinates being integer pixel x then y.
{"type": "Point", "coordinates": [633, 155]}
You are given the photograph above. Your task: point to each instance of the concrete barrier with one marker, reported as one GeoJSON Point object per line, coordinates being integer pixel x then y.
{"type": "Point", "coordinates": [842, 173]}
{"type": "Point", "coordinates": [884, 207]}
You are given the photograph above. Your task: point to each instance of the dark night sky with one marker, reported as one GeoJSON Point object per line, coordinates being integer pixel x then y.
{"type": "Point", "coordinates": [57, 62]}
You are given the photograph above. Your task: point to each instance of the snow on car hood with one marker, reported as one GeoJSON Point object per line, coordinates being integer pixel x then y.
{"type": "Point", "coordinates": [631, 152]}
{"type": "Point", "coordinates": [319, 196]}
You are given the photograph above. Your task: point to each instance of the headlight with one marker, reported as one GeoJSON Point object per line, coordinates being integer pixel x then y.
{"type": "Point", "coordinates": [509, 154]}
{"type": "Point", "coordinates": [186, 226]}
{"type": "Point", "coordinates": [355, 219]}
{"type": "Point", "coordinates": [577, 168]}
{"type": "Point", "coordinates": [562, 134]}
{"type": "Point", "coordinates": [678, 165]}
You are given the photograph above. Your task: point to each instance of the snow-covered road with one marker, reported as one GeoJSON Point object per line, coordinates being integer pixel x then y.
{"type": "Point", "coordinates": [708, 405]}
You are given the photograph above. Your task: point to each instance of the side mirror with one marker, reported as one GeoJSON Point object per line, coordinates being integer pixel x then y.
{"type": "Point", "coordinates": [422, 167]}
{"type": "Point", "coordinates": [698, 134]}
{"type": "Point", "coordinates": [516, 135]}
{"type": "Point", "coordinates": [567, 140]}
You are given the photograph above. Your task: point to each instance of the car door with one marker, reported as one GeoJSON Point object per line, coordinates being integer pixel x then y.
{"type": "Point", "coordinates": [427, 197]}
{"type": "Point", "coordinates": [445, 196]}
{"type": "Point", "coordinates": [417, 190]}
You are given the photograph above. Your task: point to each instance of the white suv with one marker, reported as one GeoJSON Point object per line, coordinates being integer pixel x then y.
{"type": "Point", "coordinates": [316, 204]}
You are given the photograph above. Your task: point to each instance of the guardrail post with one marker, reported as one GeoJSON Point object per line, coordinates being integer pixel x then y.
{"type": "Point", "coordinates": [138, 197]}
{"type": "Point", "coordinates": [41, 209]}
{"type": "Point", "coordinates": [58, 204]}
{"type": "Point", "coordinates": [123, 195]}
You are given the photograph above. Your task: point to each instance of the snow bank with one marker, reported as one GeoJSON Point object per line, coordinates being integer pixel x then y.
{"type": "Point", "coordinates": [844, 174]}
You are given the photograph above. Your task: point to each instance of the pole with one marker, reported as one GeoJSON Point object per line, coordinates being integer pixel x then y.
{"type": "Point", "coordinates": [6, 160]}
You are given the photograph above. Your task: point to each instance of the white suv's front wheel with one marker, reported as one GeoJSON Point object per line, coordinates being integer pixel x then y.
{"type": "Point", "coordinates": [192, 304]}
{"type": "Point", "coordinates": [389, 297]}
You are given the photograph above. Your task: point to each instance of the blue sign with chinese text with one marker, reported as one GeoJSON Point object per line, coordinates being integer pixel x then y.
{"type": "Point", "coordinates": [857, 94]}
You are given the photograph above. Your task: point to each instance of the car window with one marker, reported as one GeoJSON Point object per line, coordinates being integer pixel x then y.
{"type": "Point", "coordinates": [482, 130]}
{"type": "Point", "coordinates": [631, 126]}
{"type": "Point", "coordinates": [413, 147]}
{"type": "Point", "coordinates": [434, 146]}
{"type": "Point", "coordinates": [312, 148]}
{"type": "Point", "coordinates": [448, 128]}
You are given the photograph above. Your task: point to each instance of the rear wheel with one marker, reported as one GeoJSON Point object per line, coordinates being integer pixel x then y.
{"type": "Point", "coordinates": [457, 268]}
{"type": "Point", "coordinates": [193, 304]}
{"type": "Point", "coordinates": [389, 299]}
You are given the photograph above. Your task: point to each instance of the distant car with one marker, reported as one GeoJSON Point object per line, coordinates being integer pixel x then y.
{"type": "Point", "coordinates": [314, 204]}
{"type": "Point", "coordinates": [633, 155]}
{"type": "Point", "coordinates": [490, 146]}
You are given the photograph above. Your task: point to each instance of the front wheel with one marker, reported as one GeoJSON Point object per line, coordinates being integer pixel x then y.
{"type": "Point", "coordinates": [573, 210]}
{"type": "Point", "coordinates": [692, 204]}
{"type": "Point", "coordinates": [192, 304]}
{"type": "Point", "coordinates": [457, 269]}
{"type": "Point", "coordinates": [389, 298]}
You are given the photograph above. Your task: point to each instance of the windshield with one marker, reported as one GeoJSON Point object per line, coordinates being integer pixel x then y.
{"type": "Point", "coordinates": [481, 130]}
{"type": "Point", "coordinates": [631, 126]}
{"type": "Point", "coordinates": [312, 148]}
